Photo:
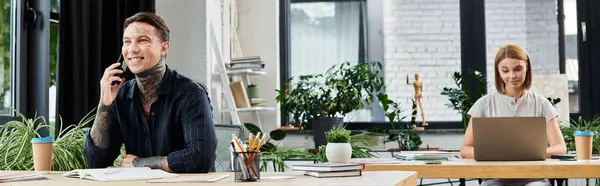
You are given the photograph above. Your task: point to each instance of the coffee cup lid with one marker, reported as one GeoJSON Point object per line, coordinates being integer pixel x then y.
{"type": "Point", "coordinates": [583, 133]}
{"type": "Point", "coordinates": [42, 140]}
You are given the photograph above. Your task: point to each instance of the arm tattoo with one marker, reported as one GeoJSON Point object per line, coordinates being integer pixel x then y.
{"type": "Point", "coordinates": [99, 131]}
{"type": "Point", "coordinates": [157, 162]}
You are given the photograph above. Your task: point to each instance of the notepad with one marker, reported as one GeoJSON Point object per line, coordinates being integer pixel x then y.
{"type": "Point", "coordinates": [14, 177]}
{"type": "Point", "coordinates": [119, 174]}
{"type": "Point", "coordinates": [191, 179]}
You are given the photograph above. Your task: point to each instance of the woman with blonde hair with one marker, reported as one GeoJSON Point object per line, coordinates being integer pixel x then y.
{"type": "Point", "coordinates": [512, 98]}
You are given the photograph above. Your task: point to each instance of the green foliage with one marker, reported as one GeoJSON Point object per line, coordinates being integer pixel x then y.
{"type": "Point", "coordinates": [554, 101]}
{"type": "Point", "coordinates": [276, 135]}
{"type": "Point", "coordinates": [338, 135]}
{"type": "Point", "coordinates": [357, 152]}
{"type": "Point", "coordinates": [16, 149]}
{"type": "Point", "coordinates": [279, 156]}
{"type": "Point", "coordinates": [580, 124]}
{"type": "Point", "coordinates": [460, 98]}
{"type": "Point", "coordinates": [340, 90]}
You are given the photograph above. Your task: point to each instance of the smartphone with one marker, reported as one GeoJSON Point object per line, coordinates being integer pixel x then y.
{"type": "Point", "coordinates": [123, 67]}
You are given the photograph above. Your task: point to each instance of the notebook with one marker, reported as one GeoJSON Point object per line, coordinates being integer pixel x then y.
{"type": "Point", "coordinates": [21, 176]}
{"type": "Point", "coordinates": [119, 174]}
{"type": "Point", "coordinates": [328, 167]}
{"type": "Point", "coordinates": [191, 179]}
{"type": "Point", "coordinates": [333, 174]}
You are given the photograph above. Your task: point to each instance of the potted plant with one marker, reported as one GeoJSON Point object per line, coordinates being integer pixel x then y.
{"type": "Point", "coordinates": [320, 101]}
{"type": "Point", "coordinates": [338, 149]}
{"type": "Point", "coordinates": [399, 131]}
{"type": "Point", "coordinates": [252, 91]}
{"type": "Point", "coordinates": [460, 98]}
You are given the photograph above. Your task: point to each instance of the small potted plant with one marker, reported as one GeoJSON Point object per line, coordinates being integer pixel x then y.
{"type": "Point", "coordinates": [338, 149]}
{"type": "Point", "coordinates": [252, 91]}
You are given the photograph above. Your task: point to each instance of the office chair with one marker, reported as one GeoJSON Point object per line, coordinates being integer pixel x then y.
{"type": "Point", "coordinates": [223, 153]}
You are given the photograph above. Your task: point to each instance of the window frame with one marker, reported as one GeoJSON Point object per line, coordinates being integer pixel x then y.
{"type": "Point", "coordinates": [472, 21]}
{"type": "Point", "coordinates": [28, 51]}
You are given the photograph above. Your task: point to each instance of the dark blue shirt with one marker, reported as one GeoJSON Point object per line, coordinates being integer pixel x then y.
{"type": "Point", "coordinates": [180, 126]}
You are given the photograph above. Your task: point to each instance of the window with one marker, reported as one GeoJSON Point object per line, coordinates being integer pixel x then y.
{"type": "Point", "coordinates": [324, 34]}
{"type": "Point", "coordinates": [54, 18]}
{"type": "Point", "coordinates": [571, 59]}
{"type": "Point", "coordinates": [6, 92]}
{"type": "Point", "coordinates": [416, 38]}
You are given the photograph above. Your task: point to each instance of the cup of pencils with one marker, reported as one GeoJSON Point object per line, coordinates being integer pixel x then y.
{"type": "Point", "coordinates": [246, 158]}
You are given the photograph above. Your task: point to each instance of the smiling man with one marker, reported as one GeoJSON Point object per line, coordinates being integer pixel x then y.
{"type": "Point", "coordinates": [163, 118]}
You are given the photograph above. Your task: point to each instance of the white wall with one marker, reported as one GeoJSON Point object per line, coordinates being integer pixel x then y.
{"type": "Point", "coordinates": [191, 51]}
{"type": "Point", "coordinates": [188, 53]}
{"type": "Point", "coordinates": [259, 36]}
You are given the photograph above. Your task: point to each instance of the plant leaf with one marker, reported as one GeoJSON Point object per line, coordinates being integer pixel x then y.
{"type": "Point", "coordinates": [252, 128]}
{"type": "Point", "coordinates": [277, 135]}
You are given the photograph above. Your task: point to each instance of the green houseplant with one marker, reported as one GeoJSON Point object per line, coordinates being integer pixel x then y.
{"type": "Point", "coordinates": [460, 98]}
{"type": "Point", "coordinates": [318, 102]}
{"type": "Point", "coordinates": [15, 144]}
{"type": "Point", "coordinates": [338, 149]}
{"type": "Point", "coordinates": [399, 131]}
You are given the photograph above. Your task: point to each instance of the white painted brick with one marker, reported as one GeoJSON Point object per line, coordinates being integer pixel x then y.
{"type": "Point", "coordinates": [423, 36]}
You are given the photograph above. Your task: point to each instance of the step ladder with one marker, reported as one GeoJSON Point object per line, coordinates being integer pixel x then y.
{"type": "Point", "coordinates": [224, 78]}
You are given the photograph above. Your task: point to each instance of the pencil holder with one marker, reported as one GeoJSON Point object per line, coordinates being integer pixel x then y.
{"type": "Point", "coordinates": [246, 166]}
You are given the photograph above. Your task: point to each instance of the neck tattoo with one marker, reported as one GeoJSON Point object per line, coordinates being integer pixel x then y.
{"type": "Point", "coordinates": [148, 83]}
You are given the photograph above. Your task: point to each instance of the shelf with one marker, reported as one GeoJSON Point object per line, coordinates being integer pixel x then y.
{"type": "Point", "coordinates": [249, 109]}
{"type": "Point", "coordinates": [245, 72]}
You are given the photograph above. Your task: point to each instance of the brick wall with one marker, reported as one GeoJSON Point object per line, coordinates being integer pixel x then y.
{"type": "Point", "coordinates": [423, 36]}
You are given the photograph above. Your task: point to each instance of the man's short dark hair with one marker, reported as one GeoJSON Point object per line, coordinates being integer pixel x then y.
{"type": "Point", "coordinates": [162, 31]}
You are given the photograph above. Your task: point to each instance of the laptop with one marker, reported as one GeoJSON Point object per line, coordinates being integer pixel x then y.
{"type": "Point", "coordinates": [509, 138]}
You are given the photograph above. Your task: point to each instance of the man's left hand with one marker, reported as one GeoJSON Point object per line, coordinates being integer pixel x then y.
{"type": "Point", "coordinates": [128, 160]}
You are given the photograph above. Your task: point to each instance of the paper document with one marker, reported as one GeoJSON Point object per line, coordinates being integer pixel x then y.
{"type": "Point", "coordinates": [21, 176]}
{"type": "Point", "coordinates": [119, 174]}
{"type": "Point", "coordinates": [191, 179]}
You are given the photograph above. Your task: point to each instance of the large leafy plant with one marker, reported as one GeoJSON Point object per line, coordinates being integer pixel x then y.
{"type": "Point", "coordinates": [340, 90]}
{"type": "Point", "coordinates": [16, 149]}
{"type": "Point", "coordinates": [460, 97]}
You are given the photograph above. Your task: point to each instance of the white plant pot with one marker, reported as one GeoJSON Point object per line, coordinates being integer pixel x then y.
{"type": "Point", "coordinates": [338, 152]}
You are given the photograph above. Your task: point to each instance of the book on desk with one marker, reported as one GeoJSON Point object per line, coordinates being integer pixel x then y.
{"type": "Point", "coordinates": [326, 170]}
{"type": "Point", "coordinates": [119, 174]}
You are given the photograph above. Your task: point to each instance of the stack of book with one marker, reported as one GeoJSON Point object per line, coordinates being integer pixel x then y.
{"type": "Point", "coordinates": [253, 63]}
{"type": "Point", "coordinates": [326, 170]}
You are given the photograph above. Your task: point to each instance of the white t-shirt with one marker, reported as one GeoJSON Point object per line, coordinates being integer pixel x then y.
{"type": "Point", "coordinates": [499, 105]}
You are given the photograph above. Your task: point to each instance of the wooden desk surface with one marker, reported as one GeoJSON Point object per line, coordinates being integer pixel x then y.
{"type": "Point", "coordinates": [397, 178]}
{"type": "Point", "coordinates": [469, 168]}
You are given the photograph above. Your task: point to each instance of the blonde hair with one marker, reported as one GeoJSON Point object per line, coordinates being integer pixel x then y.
{"type": "Point", "coordinates": [513, 52]}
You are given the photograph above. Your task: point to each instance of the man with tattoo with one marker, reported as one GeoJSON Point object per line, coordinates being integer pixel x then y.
{"type": "Point", "coordinates": [163, 118]}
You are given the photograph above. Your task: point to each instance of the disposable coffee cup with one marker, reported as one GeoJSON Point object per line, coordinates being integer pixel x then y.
{"type": "Point", "coordinates": [42, 153]}
{"type": "Point", "coordinates": [583, 144]}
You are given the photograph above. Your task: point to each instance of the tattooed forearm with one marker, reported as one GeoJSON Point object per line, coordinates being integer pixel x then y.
{"type": "Point", "coordinates": [99, 131]}
{"type": "Point", "coordinates": [157, 162]}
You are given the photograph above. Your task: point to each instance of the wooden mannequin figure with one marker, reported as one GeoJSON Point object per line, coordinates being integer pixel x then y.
{"type": "Point", "coordinates": [418, 86]}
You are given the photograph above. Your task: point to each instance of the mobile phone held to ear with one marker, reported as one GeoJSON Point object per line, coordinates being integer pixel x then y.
{"type": "Point", "coordinates": [123, 67]}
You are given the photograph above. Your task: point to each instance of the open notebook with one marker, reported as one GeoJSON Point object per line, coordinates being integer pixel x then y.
{"type": "Point", "coordinates": [119, 174]}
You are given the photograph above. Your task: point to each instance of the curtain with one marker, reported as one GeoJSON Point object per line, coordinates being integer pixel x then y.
{"type": "Point", "coordinates": [90, 33]}
{"type": "Point", "coordinates": [323, 34]}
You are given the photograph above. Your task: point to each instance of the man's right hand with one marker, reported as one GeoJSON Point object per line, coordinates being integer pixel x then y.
{"type": "Point", "coordinates": [108, 92]}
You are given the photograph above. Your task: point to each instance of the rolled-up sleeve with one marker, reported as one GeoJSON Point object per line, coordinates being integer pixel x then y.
{"type": "Point", "coordinates": [198, 154]}
{"type": "Point", "coordinates": [96, 157]}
